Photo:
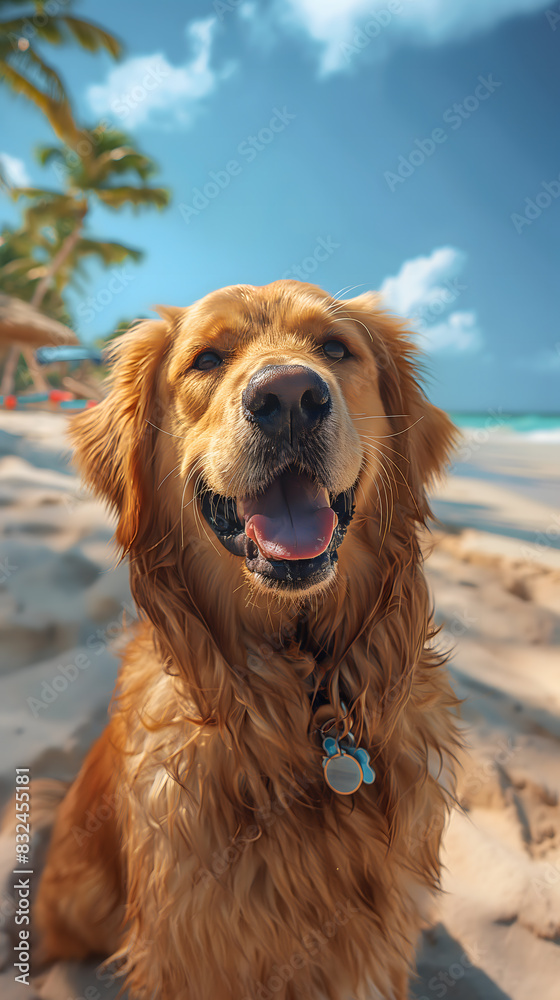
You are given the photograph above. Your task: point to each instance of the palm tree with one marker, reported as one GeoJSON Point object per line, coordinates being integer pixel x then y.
{"type": "Point", "coordinates": [23, 68]}
{"type": "Point", "coordinates": [110, 174]}
{"type": "Point", "coordinates": [25, 72]}
{"type": "Point", "coordinates": [23, 259]}
{"type": "Point", "coordinates": [114, 173]}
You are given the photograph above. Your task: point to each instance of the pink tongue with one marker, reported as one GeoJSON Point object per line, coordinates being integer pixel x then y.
{"type": "Point", "coordinates": [291, 520]}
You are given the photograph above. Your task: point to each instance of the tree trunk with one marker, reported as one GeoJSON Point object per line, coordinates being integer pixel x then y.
{"type": "Point", "coordinates": [56, 262]}
{"type": "Point", "coordinates": [40, 383]}
{"type": "Point", "coordinates": [10, 366]}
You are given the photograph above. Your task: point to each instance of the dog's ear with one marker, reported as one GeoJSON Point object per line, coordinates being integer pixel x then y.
{"type": "Point", "coordinates": [114, 441]}
{"type": "Point", "coordinates": [424, 434]}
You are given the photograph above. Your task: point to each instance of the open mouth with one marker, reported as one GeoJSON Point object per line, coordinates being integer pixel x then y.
{"type": "Point", "coordinates": [288, 534]}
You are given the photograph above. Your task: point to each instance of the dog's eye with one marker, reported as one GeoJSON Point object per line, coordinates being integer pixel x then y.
{"type": "Point", "coordinates": [207, 360]}
{"type": "Point", "coordinates": [335, 350]}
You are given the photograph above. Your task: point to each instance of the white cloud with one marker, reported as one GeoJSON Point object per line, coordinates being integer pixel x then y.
{"type": "Point", "coordinates": [248, 10]}
{"type": "Point", "coordinates": [423, 291]}
{"type": "Point", "coordinates": [421, 281]}
{"type": "Point", "coordinates": [334, 26]}
{"type": "Point", "coordinates": [457, 333]}
{"type": "Point", "coordinates": [149, 89]}
{"type": "Point", "coordinates": [14, 170]}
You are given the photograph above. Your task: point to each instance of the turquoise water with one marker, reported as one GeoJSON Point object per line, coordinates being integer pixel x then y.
{"type": "Point", "coordinates": [523, 423]}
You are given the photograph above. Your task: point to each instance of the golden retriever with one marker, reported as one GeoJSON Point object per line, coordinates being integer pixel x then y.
{"type": "Point", "coordinates": [271, 788]}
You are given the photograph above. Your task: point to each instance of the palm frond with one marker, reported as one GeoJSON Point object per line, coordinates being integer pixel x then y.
{"type": "Point", "coordinates": [91, 36]}
{"type": "Point", "coordinates": [49, 31]}
{"type": "Point", "coordinates": [45, 154]}
{"type": "Point", "coordinates": [60, 29]}
{"type": "Point", "coordinates": [58, 203]}
{"type": "Point", "coordinates": [108, 251]}
{"type": "Point", "coordinates": [20, 266]}
{"type": "Point", "coordinates": [138, 197]}
{"type": "Point", "coordinates": [120, 160]}
{"type": "Point", "coordinates": [48, 76]}
{"type": "Point", "coordinates": [58, 113]}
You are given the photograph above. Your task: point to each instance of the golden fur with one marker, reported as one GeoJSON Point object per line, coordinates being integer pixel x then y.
{"type": "Point", "coordinates": [223, 868]}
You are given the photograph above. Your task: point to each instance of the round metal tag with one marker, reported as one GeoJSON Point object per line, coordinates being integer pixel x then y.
{"type": "Point", "coordinates": [343, 774]}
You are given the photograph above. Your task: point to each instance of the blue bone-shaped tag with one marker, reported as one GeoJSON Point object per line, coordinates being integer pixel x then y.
{"type": "Point", "coordinates": [362, 756]}
{"type": "Point", "coordinates": [331, 748]}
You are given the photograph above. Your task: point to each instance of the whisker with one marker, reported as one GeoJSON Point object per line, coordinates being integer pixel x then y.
{"type": "Point", "coordinates": [373, 437]}
{"type": "Point", "coordinates": [380, 416]}
{"type": "Point", "coordinates": [372, 447]}
{"type": "Point", "coordinates": [168, 475]}
{"type": "Point", "coordinates": [354, 320]}
{"type": "Point", "coordinates": [348, 289]}
{"type": "Point", "coordinates": [182, 437]}
{"type": "Point", "coordinates": [199, 522]}
{"type": "Point", "coordinates": [182, 529]}
{"type": "Point", "coordinates": [381, 437]}
{"type": "Point", "coordinates": [384, 478]}
{"type": "Point", "coordinates": [407, 484]}
{"type": "Point", "coordinates": [387, 471]}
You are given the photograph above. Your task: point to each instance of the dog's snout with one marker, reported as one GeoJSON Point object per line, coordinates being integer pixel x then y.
{"type": "Point", "coordinates": [286, 400]}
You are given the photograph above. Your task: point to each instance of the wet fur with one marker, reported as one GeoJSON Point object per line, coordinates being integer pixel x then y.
{"type": "Point", "coordinates": [225, 868]}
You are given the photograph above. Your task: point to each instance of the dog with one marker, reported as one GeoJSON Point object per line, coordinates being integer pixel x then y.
{"type": "Point", "coordinates": [277, 768]}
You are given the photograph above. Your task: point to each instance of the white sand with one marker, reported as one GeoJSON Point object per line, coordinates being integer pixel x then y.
{"type": "Point", "coordinates": [495, 573]}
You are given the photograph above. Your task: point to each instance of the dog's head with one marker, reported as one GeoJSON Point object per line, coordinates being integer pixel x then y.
{"type": "Point", "coordinates": [264, 428]}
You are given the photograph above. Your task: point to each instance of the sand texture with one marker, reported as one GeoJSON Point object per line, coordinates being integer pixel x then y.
{"type": "Point", "coordinates": [493, 562]}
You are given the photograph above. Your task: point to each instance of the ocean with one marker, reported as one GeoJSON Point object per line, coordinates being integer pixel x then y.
{"type": "Point", "coordinates": [540, 426]}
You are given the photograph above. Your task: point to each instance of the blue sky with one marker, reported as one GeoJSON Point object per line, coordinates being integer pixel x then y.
{"type": "Point", "coordinates": [407, 146]}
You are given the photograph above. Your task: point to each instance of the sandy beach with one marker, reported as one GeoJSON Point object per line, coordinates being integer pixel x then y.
{"type": "Point", "coordinates": [493, 562]}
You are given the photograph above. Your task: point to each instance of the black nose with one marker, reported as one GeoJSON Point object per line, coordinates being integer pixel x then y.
{"type": "Point", "coordinates": [286, 400]}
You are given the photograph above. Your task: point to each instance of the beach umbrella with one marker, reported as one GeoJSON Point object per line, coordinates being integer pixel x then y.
{"type": "Point", "coordinates": [21, 323]}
